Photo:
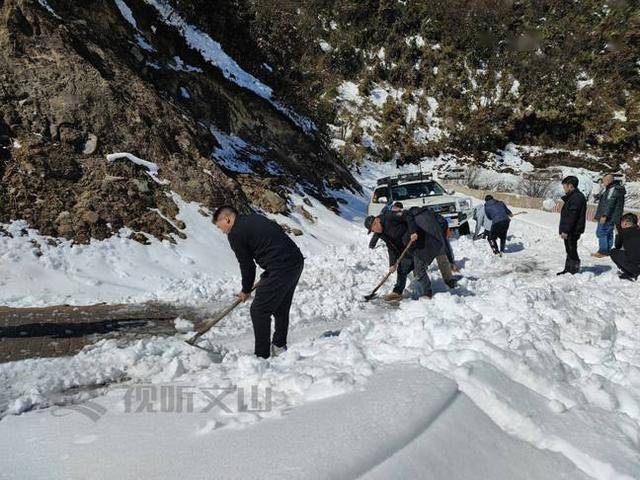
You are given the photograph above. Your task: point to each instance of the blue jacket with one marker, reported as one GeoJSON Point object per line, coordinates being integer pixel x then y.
{"type": "Point", "coordinates": [496, 211]}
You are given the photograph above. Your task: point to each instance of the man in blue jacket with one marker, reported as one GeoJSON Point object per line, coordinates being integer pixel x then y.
{"type": "Point", "coordinates": [608, 214]}
{"type": "Point", "coordinates": [256, 239]}
{"type": "Point", "coordinates": [572, 223]}
{"type": "Point", "coordinates": [500, 217]}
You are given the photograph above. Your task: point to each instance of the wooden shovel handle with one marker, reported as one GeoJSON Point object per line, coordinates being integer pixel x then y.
{"type": "Point", "coordinates": [208, 324]}
{"type": "Point", "coordinates": [402, 255]}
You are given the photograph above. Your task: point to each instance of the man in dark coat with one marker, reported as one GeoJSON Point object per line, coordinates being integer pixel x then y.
{"type": "Point", "coordinates": [431, 244]}
{"type": "Point", "coordinates": [500, 217]}
{"type": "Point", "coordinates": [572, 223]}
{"type": "Point", "coordinates": [256, 239]}
{"type": "Point", "coordinates": [626, 255]}
{"type": "Point", "coordinates": [608, 214]}
{"type": "Point", "coordinates": [395, 228]}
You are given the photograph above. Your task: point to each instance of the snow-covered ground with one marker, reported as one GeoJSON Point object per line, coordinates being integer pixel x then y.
{"type": "Point", "coordinates": [517, 373]}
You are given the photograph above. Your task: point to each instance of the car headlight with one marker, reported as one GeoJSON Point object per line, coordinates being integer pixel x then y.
{"type": "Point", "coordinates": [464, 204]}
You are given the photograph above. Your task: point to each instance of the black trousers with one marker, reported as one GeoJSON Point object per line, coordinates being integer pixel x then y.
{"type": "Point", "coordinates": [273, 299]}
{"type": "Point", "coordinates": [571, 246]}
{"type": "Point", "coordinates": [499, 231]}
{"type": "Point", "coordinates": [621, 259]}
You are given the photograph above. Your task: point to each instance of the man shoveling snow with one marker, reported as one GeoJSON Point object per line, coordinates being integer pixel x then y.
{"type": "Point", "coordinates": [419, 226]}
{"type": "Point", "coordinates": [256, 239]}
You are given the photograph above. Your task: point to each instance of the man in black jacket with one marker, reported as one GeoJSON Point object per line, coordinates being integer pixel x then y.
{"type": "Point", "coordinates": [626, 255]}
{"type": "Point", "coordinates": [256, 239]}
{"type": "Point", "coordinates": [395, 228]}
{"type": "Point", "coordinates": [572, 223]}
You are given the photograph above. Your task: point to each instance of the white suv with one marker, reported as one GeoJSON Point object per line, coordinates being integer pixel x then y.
{"type": "Point", "coordinates": [419, 190]}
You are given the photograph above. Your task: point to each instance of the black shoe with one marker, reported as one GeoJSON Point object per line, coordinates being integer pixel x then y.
{"type": "Point", "coordinates": [451, 283]}
{"type": "Point", "coordinates": [627, 276]}
{"type": "Point", "coordinates": [567, 268]}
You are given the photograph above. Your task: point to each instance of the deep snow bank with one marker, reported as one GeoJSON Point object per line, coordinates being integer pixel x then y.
{"type": "Point", "coordinates": [405, 423]}
{"type": "Point", "coordinates": [552, 361]}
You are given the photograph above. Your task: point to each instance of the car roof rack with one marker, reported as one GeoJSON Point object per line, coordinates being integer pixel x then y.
{"type": "Point", "coordinates": [405, 177]}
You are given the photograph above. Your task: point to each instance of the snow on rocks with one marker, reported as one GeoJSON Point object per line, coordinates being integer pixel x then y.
{"type": "Point", "coordinates": [349, 92]}
{"type": "Point", "coordinates": [213, 53]}
{"type": "Point", "coordinates": [151, 167]}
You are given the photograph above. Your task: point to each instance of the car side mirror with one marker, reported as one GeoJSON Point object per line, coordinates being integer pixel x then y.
{"type": "Point", "coordinates": [382, 200]}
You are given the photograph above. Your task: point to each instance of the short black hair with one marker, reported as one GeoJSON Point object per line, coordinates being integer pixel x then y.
{"type": "Point", "coordinates": [630, 217]}
{"type": "Point", "coordinates": [488, 197]}
{"type": "Point", "coordinates": [226, 210]}
{"type": "Point", "coordinates": [570, 180]}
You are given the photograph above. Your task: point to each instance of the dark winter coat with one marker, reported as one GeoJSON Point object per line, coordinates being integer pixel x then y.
{"type": "Point", "coordinates": [431, 241]}
{"type": "Point", "coordinates": [397, 227]}
{"type": "Point", "coordinates": [611, 204]}
{"type": "Point", "coordinates": [496, 211]}
{"type": "Point", "coordinates": [254, 237]}
{"type": "Point", "coordinates": [629, 239]}
{"type": "Point", "coordinates": [574, 213]}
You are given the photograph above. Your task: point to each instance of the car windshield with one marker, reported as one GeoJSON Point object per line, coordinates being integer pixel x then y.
{"type": "Point", "coordinates": [416, 190]}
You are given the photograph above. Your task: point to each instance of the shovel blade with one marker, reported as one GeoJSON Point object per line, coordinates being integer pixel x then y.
{"type": "Point", "coordinates": [371, 296]}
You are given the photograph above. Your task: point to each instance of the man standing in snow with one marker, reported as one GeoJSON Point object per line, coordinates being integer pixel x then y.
{"type": "Point", "coordinates": [500, 217]}
{"type": "Point", "coordinates": [572, 223]}
{"type": "Point", "coordinates": [256, 239]}
{"type": "Point", "coordinates": [396, 229]}
{"type": "Point", "coordinates": [608, 214]}
{"type": "Point", "coordinates": [626, 255]}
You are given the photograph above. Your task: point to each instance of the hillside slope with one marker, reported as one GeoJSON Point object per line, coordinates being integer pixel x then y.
{"type": "Point", "coordinates": [405, 79]}
{"type": "Point", "coordinates": [80, 81]}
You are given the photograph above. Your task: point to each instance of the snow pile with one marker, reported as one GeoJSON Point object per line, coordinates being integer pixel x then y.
{"type": "Point", "coordinates": [509, 157]}
{"type": "Point", "coordinates": [192, 271]}
{"type": "Point", "coordinates": [552, 361]}
{"type": "Point", "coordinates": [183, 325]}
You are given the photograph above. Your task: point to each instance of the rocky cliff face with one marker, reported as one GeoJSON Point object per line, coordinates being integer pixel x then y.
{"type": "Point", "coordinates": [245, 101]}
{"type": "Point", "coordinates": [81, 80]}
